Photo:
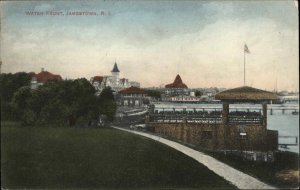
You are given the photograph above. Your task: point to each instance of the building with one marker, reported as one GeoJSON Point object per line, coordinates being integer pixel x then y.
{"type": "Point", "coordinates": [176, 88]}
{"type": "Point", "coordinates": [134, 83]}
{"type": "Point", "coordinates": [96, 82]}
{"type": "Point", "coordinates": [178, 92]}
{"type": "Point", "coordinates": [42, 78]}
{"type": "Point", "coordinates": [113, 81]}
{"type": "Point", "coordinates": [132, 97]}
{"type": "Point", "coordinates": [223, 129]}
{"type": "Point", "coordinates": [184, 98]}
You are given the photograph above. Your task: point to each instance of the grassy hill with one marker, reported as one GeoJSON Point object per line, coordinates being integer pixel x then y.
{"type": "Point", "coordinates": [95, 158]}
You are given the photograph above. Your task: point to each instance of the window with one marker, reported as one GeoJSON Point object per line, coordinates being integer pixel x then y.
{"type": "Point", "coordinates": [125, 102]}
{"type": "Point", "coordinates": [136, 103]}
{"type": "Point", "coordinates": [243, 135]}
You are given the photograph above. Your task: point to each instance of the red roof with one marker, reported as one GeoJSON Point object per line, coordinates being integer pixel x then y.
{"type": "Point", "coordinates": [177, 83]}
{"type": "Point", "coordinates": [98, 78]}
{"type": "Point", "coordinates": [46, 76]}
{"type": "Point", "coordinates": [132, 90]}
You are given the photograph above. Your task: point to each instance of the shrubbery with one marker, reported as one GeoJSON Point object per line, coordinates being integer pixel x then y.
{"type": "Point", "coordinates": [60, 102]}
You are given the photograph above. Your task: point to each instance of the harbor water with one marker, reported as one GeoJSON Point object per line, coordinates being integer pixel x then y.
{"type": "Point", "coordinates": [286, 123]}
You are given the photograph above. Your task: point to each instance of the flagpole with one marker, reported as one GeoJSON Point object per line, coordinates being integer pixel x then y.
{"type": "Point", "coordinates": [244, 68]}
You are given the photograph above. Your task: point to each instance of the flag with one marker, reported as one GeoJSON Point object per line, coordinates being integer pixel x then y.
{"type": "Point", "coordinates": [246, 50]}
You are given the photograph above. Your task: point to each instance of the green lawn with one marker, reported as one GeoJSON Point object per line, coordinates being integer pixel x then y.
{"type": "Point", "coordinates": [94, 158]}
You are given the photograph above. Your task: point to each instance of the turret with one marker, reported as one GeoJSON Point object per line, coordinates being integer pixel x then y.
{"type": "Point", "coordinates": [115, 73]}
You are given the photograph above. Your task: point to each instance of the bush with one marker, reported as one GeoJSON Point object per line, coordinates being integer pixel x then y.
{"type": "Point", "coordinates": [55, 102]}
{"type": "Point", "coordinates": [29, 118]}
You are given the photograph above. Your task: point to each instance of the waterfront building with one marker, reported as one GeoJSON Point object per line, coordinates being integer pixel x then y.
{"type": "Point", "coordinates": [178, 92]}
{"type": "Point", "coordinates": [289, 98]}
{"type": "Point", "coordinates": [132, 97]}
{"type": "Point", "coordinates": [176, 88]}
{"type": "Point", "coordinates": [184, 98]}
{"type": "Point", "coordinates": [113, 81]}
{"type": "Point", "coordinates": [42, 78]}
{"type": "Point", "coordinates": [221, 129]}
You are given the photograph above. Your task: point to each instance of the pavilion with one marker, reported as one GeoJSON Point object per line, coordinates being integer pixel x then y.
{"type": "Point", "coordinates": [224, 130]}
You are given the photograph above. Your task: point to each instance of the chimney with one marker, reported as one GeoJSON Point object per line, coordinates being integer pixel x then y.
{"type": "Point", "coordinates": [42, 69]}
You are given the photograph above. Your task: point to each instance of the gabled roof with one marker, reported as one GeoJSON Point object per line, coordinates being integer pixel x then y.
{"type": "Point", "coordinates": [45, 76]}
{"type": "Point", "coordinates": [98, 79]}
{"type": "Point", "coordinates": [132, 90]}
{"type": "Point", "coordinates": [115, 69]}
{"type": "Point", "coordinates": [245, 93]}
{"type": "Point", "coordinates": [177, 83]}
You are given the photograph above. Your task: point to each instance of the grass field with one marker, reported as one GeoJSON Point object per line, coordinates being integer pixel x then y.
{"type": "Point", "coordinates": [94, 158]}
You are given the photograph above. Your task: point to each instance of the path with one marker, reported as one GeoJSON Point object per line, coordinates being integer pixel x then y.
{"type": "Point", "coordinates": [237, 178]}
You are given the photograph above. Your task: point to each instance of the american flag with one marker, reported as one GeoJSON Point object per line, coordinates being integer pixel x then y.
{"type": "Point", "coordinates": [246, 50]}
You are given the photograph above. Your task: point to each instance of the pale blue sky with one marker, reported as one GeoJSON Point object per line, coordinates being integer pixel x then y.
{"type": "Point", "coordinates": [153, 41]}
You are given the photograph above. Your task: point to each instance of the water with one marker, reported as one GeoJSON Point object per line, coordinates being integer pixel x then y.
{"type": "Point", "coordinates": [286, 124]}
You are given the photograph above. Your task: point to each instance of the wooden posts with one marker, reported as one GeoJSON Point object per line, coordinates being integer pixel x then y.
{"type": "Point", "coordinates": [225, 113]}
{"type": "Point", "coordinates": [225, 118]}
{"type": "Point", "coordinates": [265, 113]}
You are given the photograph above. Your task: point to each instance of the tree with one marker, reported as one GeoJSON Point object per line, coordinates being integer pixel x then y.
{"type": "Point", "coordinates": [107, 94]}
{"type": "Point", "coordinates": [21, 96]}
{"type": "Point", "coordinates": [198, 93]}
{"type": "Point", "coordinates": [28, 117]}
{"type": "Point", "coordinates": [20, 101]}
{"type": "Point", "coordinates": [56, 102]}
{"type": "Point", "coordinates": [107, 103]}
{"type": "Point", "coordinates": [153, 93]}
{"type": "Point", "coordinates": [9, 84]}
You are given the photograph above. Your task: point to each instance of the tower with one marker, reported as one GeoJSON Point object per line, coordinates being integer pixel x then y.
{"type": "Point", "coordinates": [115, 73]}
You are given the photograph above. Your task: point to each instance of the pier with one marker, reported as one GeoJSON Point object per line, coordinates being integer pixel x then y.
{"type": "Point", "coordinates": [233, 125]}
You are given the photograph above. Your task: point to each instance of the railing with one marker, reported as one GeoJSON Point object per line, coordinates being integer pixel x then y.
{"type": "Point", "coordinates": [163, 118]}
{"type": "Point", "coordinates": [287, 141]}
{"type": "Point", "coordinates": [204, 118]}
{"type": "Point", "coordinates": [245, 119]}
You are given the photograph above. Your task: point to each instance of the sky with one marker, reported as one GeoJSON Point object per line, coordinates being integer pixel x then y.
{"type": "Point", "coordinates": [153, 41]}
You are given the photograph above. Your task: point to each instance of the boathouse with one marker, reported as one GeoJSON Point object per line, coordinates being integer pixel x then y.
{"type": "Point", "coordinates": [223, 129]}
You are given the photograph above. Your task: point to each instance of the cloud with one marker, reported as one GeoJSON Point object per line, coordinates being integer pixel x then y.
{"type": "Point", "coordinates": [153, 46]}
{"type": "Point", "coordinates": [214, 57]}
